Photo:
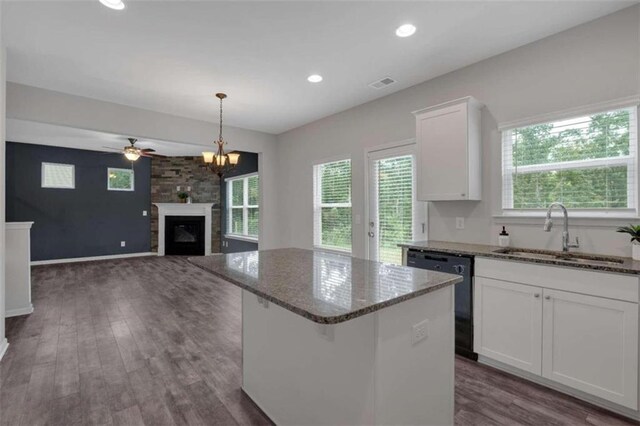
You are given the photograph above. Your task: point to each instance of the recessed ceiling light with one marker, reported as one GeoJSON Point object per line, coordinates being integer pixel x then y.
{"type": "Point", "coordinates": [405, 30]}
{"type": "Point", "coordinates": [113, 4]}
{"type": "Point", "coordinates": [314, 78]}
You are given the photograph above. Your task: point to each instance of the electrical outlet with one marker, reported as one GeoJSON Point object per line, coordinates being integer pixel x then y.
{"type": "Point", "coordinates": [459, 222]}
{"type": "Point", "coordinates": [419, 331]}
{"type": "Point", "coordinates": [123, 243]}
{"type": "Point", "coordinates": [178, 188]}
{"type": "Point", "coordinates": [144, 212]}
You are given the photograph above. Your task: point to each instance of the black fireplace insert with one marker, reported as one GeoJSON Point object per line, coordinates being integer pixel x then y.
{"type": "Point", "coordinates": [184, 235]}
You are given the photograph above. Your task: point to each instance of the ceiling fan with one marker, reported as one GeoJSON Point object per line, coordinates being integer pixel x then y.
{"type": "Point", "coordinates": [132, 153]}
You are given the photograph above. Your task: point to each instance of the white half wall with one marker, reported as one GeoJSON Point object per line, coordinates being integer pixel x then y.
{"type": "Point", "coordinates": [3, 56]}
{"type": "Point", "coordinates": [591, 63]}
{"type": "Point", "coordinates": [46, 106]}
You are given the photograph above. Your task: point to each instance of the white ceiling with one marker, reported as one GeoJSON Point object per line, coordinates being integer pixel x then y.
{"type": "Point", "coordinates": [173, 56]}
{"type": "Point", "coordinates": [69, 137]}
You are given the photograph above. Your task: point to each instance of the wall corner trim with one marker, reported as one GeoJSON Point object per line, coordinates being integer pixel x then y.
{"type": "Point", "coordinates": [91, 258]}
{"type": "Point", "coordinates": [4, 345]}
{"type": "Point", "coordinates": [18, 225]}
{"type": "Point", "coordinates": [17, 312]}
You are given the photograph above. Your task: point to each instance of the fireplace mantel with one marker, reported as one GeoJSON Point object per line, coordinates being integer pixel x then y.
{"type": "Point", "coordinates": [184, 209]}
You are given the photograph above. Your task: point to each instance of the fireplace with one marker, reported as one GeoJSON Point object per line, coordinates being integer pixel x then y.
{"type": "Point", "coordinates": [187, 211]}
{"type": "Point", "coordinates": [184, 235]}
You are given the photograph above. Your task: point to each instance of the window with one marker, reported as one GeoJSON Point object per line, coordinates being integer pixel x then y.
{"type": "Point", "coordinates": [56, 175]}
{"type": "Point", "coordinates": [120, 179]}
{"type": "Point", "coordinates": [243, 213]}
{"type": "Point", "coordinates": [587, 163]}
{"type": "Point", "coordinates": [332, 205]}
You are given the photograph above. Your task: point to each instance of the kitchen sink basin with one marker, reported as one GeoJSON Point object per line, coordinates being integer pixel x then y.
{"type": "Point", "coordinates": [560, 256]}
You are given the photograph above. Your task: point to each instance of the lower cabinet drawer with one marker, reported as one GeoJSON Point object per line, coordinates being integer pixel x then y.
{"type": "Point", "coordinates": [601, 284]}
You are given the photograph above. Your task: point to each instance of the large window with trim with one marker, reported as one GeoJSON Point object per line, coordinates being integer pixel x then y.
{"type": "Point", "coordinates": [332, 205]}
{"type": "Point", "coordinates": [243, 212]}
{"type": "Point", "coordinates": [586, 162]}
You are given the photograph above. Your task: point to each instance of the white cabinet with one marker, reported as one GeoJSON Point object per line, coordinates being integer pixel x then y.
{"type": "Point", "coordinates": [449, 151]}
{"type": "Point", "coordinates": [509, 323]}
{"type": "Point", "coordinates": [573, 327]}
{"type": "Point", "coordinates": [18, 269]}
{"type": "Point", "coordinates": [591, 344]}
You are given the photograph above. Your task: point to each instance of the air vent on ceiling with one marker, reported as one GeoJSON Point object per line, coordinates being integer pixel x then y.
{"type": "Point", "coordinates": [387, 81]}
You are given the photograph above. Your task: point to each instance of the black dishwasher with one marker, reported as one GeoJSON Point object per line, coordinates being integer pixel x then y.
{"type": "Point", "coordinates": [459, 265]}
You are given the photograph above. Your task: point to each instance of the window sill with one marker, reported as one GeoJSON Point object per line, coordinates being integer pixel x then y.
{"type": "Point", "coordinates": [241, 238]}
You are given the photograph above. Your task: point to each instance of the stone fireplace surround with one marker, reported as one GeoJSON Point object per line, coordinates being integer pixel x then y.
{"type": "Point", "coordinates": [169, 173]}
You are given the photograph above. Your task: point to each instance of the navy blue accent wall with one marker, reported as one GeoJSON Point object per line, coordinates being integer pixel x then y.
{"type": "Point", "coordinates": [86, 221]}
{"type": "Point", "coordinates": [248, 163]}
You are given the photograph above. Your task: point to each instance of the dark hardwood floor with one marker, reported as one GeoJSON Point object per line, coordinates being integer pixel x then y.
{"type": "Point", "coordinates": [156, 341]}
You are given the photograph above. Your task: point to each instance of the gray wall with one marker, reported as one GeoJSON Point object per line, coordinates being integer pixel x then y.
{"type": "Point", "coordinates": [86, 221]}
{"type": "Point", "coordinates": [592, 63]}
{"type": "Point", "coordinates": [248, 164]}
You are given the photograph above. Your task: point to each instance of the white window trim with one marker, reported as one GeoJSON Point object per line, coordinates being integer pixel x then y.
{"type": "Point", "coordinates": [528, 216]}
{"type": "Point", "coordinates": [614, 104]}
{"type": "Point", "coordinates": [317, 208]}
{"type": "Point", "coordinates": [245, 208]}
{"type": "Point", "coordinates": [73, 176]}
{"type": "Point", "coordinates": [133, 180]}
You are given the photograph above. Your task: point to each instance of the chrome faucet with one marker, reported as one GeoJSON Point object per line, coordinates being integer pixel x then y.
{"type": "Point", "coordinates": [548, 223]}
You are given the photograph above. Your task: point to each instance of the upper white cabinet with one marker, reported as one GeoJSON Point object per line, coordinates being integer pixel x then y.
{"type": "Point", "coordinates": [449, 151]}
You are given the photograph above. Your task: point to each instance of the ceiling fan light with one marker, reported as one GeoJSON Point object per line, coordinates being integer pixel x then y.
{"type": "Point", "coordinates": [208, 157]}
{"type": "Point", "coordinates": [233, 158]}
{"type": "Point", "coordinates": [131, 153]}
{"type": "Point", "coordinates": [131, 156]}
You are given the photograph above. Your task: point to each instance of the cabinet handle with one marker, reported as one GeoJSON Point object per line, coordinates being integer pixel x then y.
{"type": "Point", "coordinates": [536, 295]}
{"type": "Point", "coordinates": [547, 297]}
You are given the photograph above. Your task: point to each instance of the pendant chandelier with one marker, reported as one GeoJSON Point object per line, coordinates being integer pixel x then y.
{"type": "Point", "coordinates": [219, 162]}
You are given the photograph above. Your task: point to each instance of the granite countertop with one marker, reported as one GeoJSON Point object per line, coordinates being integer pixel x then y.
{"type": "Point", "coordinates": [323, 287]}
{"type": "Point", "coordinates": [624, 265]}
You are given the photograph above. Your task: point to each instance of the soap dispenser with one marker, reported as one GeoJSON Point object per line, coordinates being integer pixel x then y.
{"type": "Point", "coordinates": [503, 238]}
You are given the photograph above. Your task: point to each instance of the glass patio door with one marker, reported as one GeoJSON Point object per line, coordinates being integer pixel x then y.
{"type": "Point", "coordinates": [394, 215]}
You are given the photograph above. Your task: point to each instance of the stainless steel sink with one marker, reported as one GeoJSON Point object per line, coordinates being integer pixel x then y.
{"type": "Point", "coordinates": [560, 256]}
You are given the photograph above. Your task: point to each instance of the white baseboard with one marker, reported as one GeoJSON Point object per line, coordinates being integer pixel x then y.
{"type": "Point", "coordinates": [624, 411]}
{"type": "Point", "coordinates": [4, 345]}
{"type": "Point", "coordinates": [91, 258]}
{"type": "Point", "coordinates": [17, 312]}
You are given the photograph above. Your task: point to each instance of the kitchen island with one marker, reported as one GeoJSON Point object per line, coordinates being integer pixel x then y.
{"type": "Point", "coordinates": [332, 339]}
